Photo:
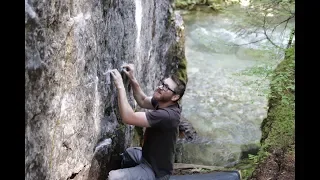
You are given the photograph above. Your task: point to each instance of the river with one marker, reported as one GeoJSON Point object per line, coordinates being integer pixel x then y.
{"type": "Point", "coordinates": [226, 95]}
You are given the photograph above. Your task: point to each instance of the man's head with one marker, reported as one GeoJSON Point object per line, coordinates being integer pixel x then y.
{"type": "Point", "coordinates": [170, 89]}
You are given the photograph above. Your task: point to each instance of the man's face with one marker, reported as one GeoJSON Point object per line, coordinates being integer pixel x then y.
{"type": "Point", "coordinates": [164, 91]}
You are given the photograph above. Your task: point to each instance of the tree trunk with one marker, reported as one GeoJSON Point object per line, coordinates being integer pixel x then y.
{"type": "Point", "coordinates": [291, 39]}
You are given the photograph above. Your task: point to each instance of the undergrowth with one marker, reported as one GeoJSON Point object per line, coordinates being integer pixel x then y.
{"type": "Point", "coordinates": [278, 128]}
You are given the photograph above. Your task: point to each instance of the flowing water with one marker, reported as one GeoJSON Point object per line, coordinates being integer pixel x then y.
{"type": "Point", "coordinates": [225, 105]}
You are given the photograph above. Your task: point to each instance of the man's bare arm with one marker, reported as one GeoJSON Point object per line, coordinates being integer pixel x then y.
{"type": "Point", "coordinates": [141, 98]}
{"type": "Point", "coordinates": [126, 112]}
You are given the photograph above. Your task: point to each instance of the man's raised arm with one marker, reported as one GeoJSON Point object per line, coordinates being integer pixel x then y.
{"type": "Point", "coordinates": [142, 99]}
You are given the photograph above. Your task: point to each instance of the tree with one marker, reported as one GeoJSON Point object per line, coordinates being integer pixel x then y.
{"type": "Point", "coordinates": [265, 16]}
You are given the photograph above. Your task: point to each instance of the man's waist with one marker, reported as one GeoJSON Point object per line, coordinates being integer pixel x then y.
{"type": "Point", "coordinates": [159, 172]}
{"type": "Point", "coordinates": [143, 160]}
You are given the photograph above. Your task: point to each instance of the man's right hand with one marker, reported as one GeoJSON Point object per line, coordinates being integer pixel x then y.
{"type": "Point", "coordinates": [142, 100]}
{"type": "Point", "coordinates": [129, 70]}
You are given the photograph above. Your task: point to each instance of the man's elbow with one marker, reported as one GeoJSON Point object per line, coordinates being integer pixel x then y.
{"type": "Point", "coordinates": [126, 120]}
{"type": "Point", "coordinates": [138, 119]}
{"type": "Point", "coordinates": [141, 104]}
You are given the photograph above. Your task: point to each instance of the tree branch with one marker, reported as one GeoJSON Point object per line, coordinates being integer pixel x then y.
{"type": "Point", "coordinates": [250, 42]}
{"type": "Point", "coordinates": [265, 33]}
{"type": "Point", "coordinates": [284, 29]}
{"type": "Point", "coordinates": [291, 38]}
{"type": "Point", "coordinates": [287, 20]}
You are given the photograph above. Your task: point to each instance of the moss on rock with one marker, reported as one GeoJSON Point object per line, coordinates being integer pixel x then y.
{"type": "Point", "coordinates": [277, 141]}
{"type": "Point", "coordinates": [203, 5]}
{"type": "Point", "coordinates": [137, 140]}
{"type": "Point", "coordinates": [279, 123]}
{"type": "Point", "coordinates": [179, 61]}
{"type": "Point", "coordinates": [182, 70]}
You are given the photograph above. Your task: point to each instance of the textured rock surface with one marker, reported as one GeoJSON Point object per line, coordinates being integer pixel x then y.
{"type": "Point", "coordinates": [186, 129]}
{"type": "Point", "coordinates": [72, 125]}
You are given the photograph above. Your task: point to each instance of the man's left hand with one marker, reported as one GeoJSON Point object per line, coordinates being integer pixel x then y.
{"type": "Point", "coordinates": [117, 78]}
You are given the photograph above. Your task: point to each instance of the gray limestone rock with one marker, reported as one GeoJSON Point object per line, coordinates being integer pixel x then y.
{"type": "Point", "coordinates": [72, 124]}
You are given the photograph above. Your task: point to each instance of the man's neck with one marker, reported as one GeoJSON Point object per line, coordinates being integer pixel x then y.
{"type": "Point", "coordinates": [166, 104]}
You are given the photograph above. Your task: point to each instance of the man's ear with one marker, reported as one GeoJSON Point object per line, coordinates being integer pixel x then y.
{"type": "Point", "coordinates": [175, 97]}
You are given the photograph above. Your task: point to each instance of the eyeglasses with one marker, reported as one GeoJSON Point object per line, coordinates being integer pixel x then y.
{"type": "Point", "coordinates": [165, 87]}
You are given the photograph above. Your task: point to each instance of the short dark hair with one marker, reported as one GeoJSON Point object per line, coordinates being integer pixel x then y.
{"type": "Point", "coordinates": [181, 86]}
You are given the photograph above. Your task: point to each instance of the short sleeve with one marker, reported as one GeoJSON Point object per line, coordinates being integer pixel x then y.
{"type": "Point", "coordinates": [158, 118]}
{"type": "Point", "coordinates": [154, 103]}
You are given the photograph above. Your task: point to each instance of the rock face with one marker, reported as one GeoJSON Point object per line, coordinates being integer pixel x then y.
{"type": "Point", "coordinates": [186, 130]}
{"type": "Point", "coordinates": [72, 124]}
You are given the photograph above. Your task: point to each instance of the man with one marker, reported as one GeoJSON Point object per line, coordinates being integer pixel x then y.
{"type": "Point", "coordinates": [155, 159]}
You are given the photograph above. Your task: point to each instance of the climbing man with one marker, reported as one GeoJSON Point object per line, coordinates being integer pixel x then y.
{"type": "Point", "coordinates": [154, 161]}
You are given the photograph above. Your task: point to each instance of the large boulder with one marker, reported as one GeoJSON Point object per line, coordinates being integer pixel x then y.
{"type": "Point", "coordinates": [72, 124]}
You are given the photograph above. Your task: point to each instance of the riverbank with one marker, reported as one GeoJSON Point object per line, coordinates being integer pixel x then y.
{"type": "Point", "coordinates": [278, 129]}
{"type": "Point", "coordinates": [205, 41]}
{"type": "Point", "coordinates": [205, 5]}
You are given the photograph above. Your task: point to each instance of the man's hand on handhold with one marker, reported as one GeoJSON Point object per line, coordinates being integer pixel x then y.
{"type": "Point", "coordinates": [117, 78]}
{"type": "Point", "coordinates": [128, 69]}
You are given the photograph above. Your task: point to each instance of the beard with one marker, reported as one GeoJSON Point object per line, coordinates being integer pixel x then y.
{"type": "Point", "coordinates": [161, 97]}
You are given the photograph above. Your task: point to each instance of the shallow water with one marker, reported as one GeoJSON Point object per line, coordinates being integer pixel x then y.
{"type": "Point", "coordinates": [225, 107]}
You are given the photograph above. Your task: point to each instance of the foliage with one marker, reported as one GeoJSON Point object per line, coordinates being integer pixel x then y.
{"type": "Point", "coordinates": [215, 5]}
{"type": "Point", "coordinates": [182, 70]}
{"type": "Point", "coordinates": [278, 127]}
{"type": "Point", "coordinates": [281, 102]}
{"type": "Point", "coordinates": [251, 163]}
{"type": "Point", "coordinates": [263, 72]}
{"type": "Point", "coordinates": [266, 17]}
{"type": "Point", "coordinates": [259, 70]}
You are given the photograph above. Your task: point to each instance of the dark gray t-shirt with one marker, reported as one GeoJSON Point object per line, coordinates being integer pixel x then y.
{"type": "Point", "coordinates": [160, 138]}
